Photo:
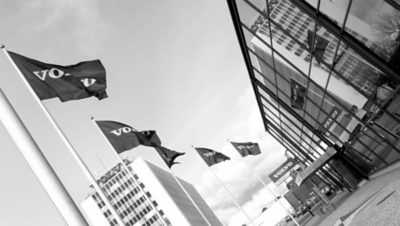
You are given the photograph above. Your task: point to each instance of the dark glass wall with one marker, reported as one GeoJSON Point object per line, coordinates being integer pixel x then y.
{"type": "Point", "coordinates": [324, 75]}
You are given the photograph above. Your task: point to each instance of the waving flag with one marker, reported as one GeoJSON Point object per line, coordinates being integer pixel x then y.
{"type": "Point", "coordinates": [247, 148]}
{"type": "Point", "coordinates": [297, 94]}
{"type": "Point", "coordinates": [211, 157]}
{"type": "Point", "coordinates": [320, 45]}
{"type": "Point", "coordinates": [72, 82]}
{"type": "Point", "coordinates": [168, 155]}
{"type": "Point", "coordinates": [123, 137]}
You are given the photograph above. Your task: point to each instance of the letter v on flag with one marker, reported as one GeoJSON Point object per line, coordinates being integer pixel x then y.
{"type": "Point", "coordinates": [72, 82]}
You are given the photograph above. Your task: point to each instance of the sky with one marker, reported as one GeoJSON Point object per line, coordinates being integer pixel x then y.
{"type": "Point", "coordinates": [172, 66]}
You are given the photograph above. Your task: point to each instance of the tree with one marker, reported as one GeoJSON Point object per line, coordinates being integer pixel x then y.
{"type": "Point", "coordinates": [387, 27]}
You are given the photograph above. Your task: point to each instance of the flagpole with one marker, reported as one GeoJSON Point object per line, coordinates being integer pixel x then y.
{"type": "Point", "coordinates": [127, 170]}
{"type": "Point", "coordinates": [39, 165]}
{"type": "Point", "coordinates": [67, 143]}
{"type": "Point", "coordinates": [279, 201]}
{"type": "Point", "coordinates": [233, 198]}
{"type": "Point", "coordinates": [262, 182]}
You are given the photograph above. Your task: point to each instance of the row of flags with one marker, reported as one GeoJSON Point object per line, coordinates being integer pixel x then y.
{"type": "Point", "coordinates": [124, 137]}
{"type": "Point", "coordinates": [212, 157]}
{"type": "Point", "coordinates": [88, 78]}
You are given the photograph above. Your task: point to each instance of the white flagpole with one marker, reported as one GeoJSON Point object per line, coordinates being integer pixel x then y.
{"type": "Point", "coordinates": [279, 201]}
{"type": "Point", "coordinates": [66, 142]}
{"type": "Point", "coordinates": [233, 198]}
{"type": "Point", "coordinates": [39, 164]}
{"type": "Point", "coordinates": [275, 198]}
{"type": "Point", "coordinates": [127, 170]}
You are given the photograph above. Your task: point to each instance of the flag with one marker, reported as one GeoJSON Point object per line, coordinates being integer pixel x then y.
{"type": "Point", "coordinates": [123, 137]}
{"type": "Point", "coordinates": [247, 148]}
{"type": "Point", "coordinates": [297, 94]}
{"type": "Point", "coordinates": [72, 82]}
{"type": "Point", "coordinates": [149, 138]}
{"type": "Point", "coordinates": [211, 157]}
{"type": "Point", "coordinates": [320, 45]}
{"type": "Point", "coordinates": [168, 155]}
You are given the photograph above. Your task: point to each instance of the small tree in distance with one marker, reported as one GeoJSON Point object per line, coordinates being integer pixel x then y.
{"type": "Point", "coordinates": [387, 27]}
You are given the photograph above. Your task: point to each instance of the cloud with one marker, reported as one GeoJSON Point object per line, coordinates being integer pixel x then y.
{"type": "Point", "coordinates": [79, 21]}
{"type": "Point", "coordinates": [241, 176]}
{"type": "Point", "coordinates": [252, 210]}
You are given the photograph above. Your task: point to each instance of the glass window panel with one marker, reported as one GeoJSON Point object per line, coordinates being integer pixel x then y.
{"type": "Point", "coordinates": [335, 10]}
{"type": "Point", "coordinates": [376, 24]}
{"type": "Point", "coordinates": [266, 71]}
{"type": "Point", "coordinates": [252, 15]}
{"type": "Point", "coordinates": [355, 90]}
{"type": "Point", "coordinates": [276, 134]}
{"type": "Point", "coordinates": [355, 76]}
{"type": "Point", "coordinates": [272, 118]}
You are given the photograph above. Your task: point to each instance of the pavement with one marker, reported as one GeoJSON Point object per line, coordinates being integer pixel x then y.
{"type": "Point", "coordinates": [375, 203]}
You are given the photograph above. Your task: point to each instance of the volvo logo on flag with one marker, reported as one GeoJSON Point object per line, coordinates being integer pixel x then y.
{"type": "Point", "coordinates": [119, 131]}
{"type": "Point", "coordinates": [71, 82]}
{"type": "Point", "coordinates": [209, 154]}
{"type": "Point", "coordinates": [52, 73]}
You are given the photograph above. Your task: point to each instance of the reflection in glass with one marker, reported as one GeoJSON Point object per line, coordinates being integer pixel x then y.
{"type": "Point", "coordinates": [376, 24]}
{"type": "Point", "coordinates": [318, 92]}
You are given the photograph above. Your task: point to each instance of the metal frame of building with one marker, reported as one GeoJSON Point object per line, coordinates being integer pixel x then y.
{"type": "Point", "coordinates": [289, 119]}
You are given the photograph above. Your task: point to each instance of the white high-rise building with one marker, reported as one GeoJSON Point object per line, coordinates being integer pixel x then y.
{"type": "Point", "coordinates": [147, 195]}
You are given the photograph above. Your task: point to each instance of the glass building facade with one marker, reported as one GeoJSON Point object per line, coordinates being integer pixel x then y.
{"type": "Point", "coordinates": [325, 76]}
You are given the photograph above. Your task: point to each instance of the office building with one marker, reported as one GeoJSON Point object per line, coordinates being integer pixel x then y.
{"type": "Point", "coordinates": [147, 195]}
{"type": "Point", "coordinates": [322, 81]}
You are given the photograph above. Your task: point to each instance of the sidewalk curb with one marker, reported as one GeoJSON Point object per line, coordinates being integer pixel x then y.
{"type": "Point", "coordinates": [385, 170]}
{"type": "Point", "coordinates": [348, 218]}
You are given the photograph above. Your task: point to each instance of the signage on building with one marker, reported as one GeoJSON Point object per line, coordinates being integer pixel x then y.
{"type": "Point", "coordinates": [329, 120]}
{"type": "Point", "coordinates": [283, 171]}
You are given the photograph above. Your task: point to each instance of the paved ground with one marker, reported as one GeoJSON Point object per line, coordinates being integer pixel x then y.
{"type": "Point", "coordinates": [383, 209]}
{"type": "Point", "coordinates": [383, 193]}
{"type": "Point", "coordinates": [375, 203]}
